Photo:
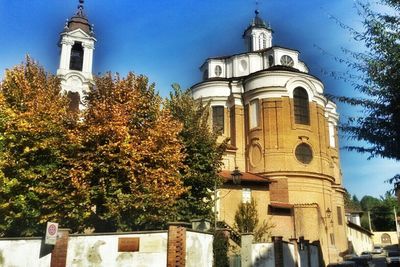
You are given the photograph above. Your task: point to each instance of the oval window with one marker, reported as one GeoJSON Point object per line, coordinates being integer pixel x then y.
{"type": "Point", "coordinates": [218, 70]}
{"type": "Point", "coordinates": [243, 65]}
{"type": "Point", "coordinates": [304, 153]}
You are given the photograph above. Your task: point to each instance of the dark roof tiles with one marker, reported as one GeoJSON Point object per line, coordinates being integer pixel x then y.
{"type": "Point", "coordinates": [79, 21]}
{"type": "Point", "coordinates": [247, 177]}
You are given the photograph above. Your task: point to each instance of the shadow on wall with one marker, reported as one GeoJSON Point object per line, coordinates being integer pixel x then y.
{"type": "Point", "coordinates": [317, 244]}
{"type": "Point", "coordinates": [264, 255]}
{"type": "Point", "coordinates": [282, 253]}
{"type": "Point", "coordinates": [44, 249]}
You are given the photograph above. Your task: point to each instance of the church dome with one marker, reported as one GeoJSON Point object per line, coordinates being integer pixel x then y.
{"type": "Point", "coordinates": [258, 22]}
{"type": "Point", "coordinates": [79, 21]}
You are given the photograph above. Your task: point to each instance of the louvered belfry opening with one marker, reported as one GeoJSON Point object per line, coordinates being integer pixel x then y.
{"type": "Point", "coordinates": [76, 62]}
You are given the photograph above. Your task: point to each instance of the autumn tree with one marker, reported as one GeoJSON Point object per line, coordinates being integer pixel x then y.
{"type": "Point", "coordinates": [35, 145]}
{"type": "Point", "coordinates": [378, 82]}
{"type": "Point", "coordinates": [130, 155]}
{"type": "Point", "coordinates": [115, 166]}
{"type": "Point", "coordinates": [203, 154]}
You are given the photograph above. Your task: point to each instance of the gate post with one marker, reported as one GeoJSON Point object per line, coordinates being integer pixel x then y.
{"type": "Point", "coordinates": [246, 249]}
{"type": "Point", "coordinates": [59, 253]}
{"type": "Point", "coordinates": [293, 241]}
{"type": "Point", "coordinates": [278, 250]}
{"type": "Point", "coordinates": [176, 252]}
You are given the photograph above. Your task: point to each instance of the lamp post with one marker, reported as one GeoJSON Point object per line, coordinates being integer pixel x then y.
{"type": "Point", "coordinates": [328, 213]}
{"type": "Point", "coordinates": [236, 176]}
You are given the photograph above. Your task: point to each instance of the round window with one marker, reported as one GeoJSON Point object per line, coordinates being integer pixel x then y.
{"type": "Point", "coordinates": [304, 153]}
{"type": "Point", "coordinates": [218, 70]}
{"type": "Point", "coordinates": [287, 61]}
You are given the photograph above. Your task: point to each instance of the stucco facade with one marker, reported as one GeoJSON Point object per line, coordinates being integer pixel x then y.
{"type": "Point", "coordinates": [359, 238]}
{"type": "Point", "coordinates": [281, 128]}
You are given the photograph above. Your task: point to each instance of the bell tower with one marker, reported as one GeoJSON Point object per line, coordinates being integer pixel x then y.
{"type": "Point", "coordinates": [77, 44]}
{"type": "Point", "coordinates": [258, 35]}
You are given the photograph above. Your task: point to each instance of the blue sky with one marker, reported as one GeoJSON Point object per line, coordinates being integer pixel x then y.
{"type": "Point", "coordinates": [168, 41]}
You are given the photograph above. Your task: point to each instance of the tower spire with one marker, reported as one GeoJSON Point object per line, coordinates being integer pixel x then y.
{"type": "Point", "coordinates": [80, 8]}
{"type": "Point", "coordinates": [258, 34]}
{"type": "Point", "coordinates": [77, 46]}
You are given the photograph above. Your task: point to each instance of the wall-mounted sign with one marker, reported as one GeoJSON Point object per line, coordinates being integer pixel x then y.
{"type": "Point", "coordinates": [51, 233]}
{"type": "Point", "coordinates": [128, 244]}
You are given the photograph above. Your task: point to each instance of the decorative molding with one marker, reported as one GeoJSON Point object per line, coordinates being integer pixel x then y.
{"type": "Point", "coordinates": [88, 45]}
{"type": "Point", "coordinates": [303, 138]}
{"type": "Point", "coordinates": [65, 41]}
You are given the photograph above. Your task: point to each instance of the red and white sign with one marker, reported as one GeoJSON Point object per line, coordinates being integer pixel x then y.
{"type": "Point", "coordinates": [51, 233]}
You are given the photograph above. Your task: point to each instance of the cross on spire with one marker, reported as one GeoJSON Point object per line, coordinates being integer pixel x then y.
{"type": "Point", "coordinates": [80, 8]}
{"type": "Point", "coordinates": [257, 7]}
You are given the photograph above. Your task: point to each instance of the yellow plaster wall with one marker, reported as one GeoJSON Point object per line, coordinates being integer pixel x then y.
{"type": "Point", "coordinates": [269, 150]}
{"type": "Point", "coordinates": [230, 196]}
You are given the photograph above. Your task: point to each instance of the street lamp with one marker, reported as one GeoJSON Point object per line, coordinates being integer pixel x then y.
{"type": "Point", "coordinates": [328, 213]}
{"type": "Point", "coordinates": [236, 176]}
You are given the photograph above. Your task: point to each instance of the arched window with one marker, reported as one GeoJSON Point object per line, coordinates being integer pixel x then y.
{"type": "Point", "coordinates": [75, 100]}
{"type": "Point", "coordinates": [218, 121]}
{"type": "Point", "coordinates": [301, 106]}
{"type": "Point", "coordinates": [385, 239]}
{"type": "Point", "coordinates": [254, 114]}
{"type": "Point", "coordinates": [76, 62]}
{"type": "Point", "coordinates": [262, 41]}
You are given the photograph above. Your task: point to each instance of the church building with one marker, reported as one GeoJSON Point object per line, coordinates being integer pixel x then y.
{"type": "Point", "coordinates": [283, 149]}
{"type": "Point", "coordinates": [283, 145]}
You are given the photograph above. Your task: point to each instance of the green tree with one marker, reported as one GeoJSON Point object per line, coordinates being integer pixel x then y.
{"type": "Point", "coordinates": [247, 221]}
{"type": "Point", "coordinates": [365, 221]}
{"type": "Point", "coordinates": [369, 202]}
{"type": "Point", "coordinates": [382, 215]}
{"type": "Point", "coordinates": [378, 82]}
{"type": "Point", "coordinates": [351, 203]}
{"type": "Point", "coordinates": [202, 154]}
{"type": "Point", "coordinates": [221, 249]}
{"type": "Point", "coordinates": [381, 212]}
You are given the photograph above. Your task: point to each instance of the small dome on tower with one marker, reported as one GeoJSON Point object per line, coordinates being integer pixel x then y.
{"type": "Point", "coordinates": [79, 21]}
{"type": "Point", "coordinates": [258, 35]}
{"type": "Point", "coordinates": [258, 22]}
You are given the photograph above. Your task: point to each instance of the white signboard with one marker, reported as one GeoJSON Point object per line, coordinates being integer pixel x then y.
{"type": "Point", "coordinates": [51, 233]}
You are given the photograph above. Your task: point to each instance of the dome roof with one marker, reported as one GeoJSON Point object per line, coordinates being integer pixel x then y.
{"type": "Point", "coordinates": [258, 22]}
{"type": "Point", "coordinates": [79, 21]}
